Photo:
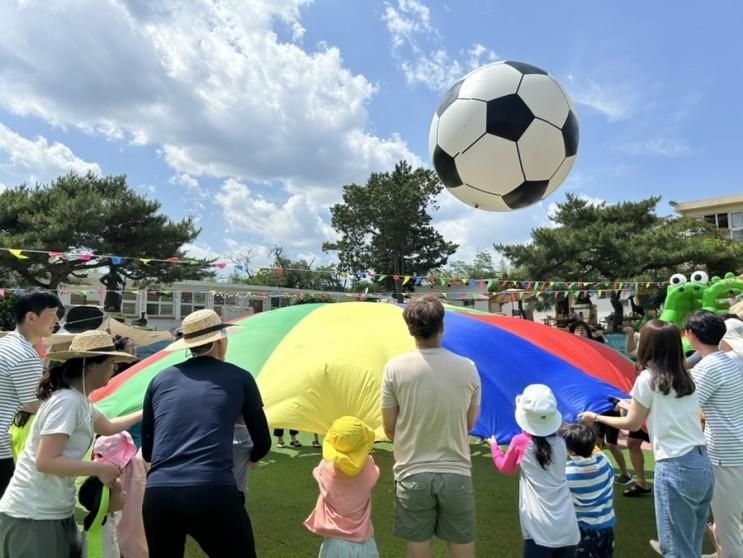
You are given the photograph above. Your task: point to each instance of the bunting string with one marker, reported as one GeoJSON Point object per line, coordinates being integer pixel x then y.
{"type": "Point", "coordinates": [441, 279]}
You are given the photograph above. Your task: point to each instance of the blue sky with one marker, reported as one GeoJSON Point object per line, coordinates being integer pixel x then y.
{"type": "Point", "coordinates": [250, 115]}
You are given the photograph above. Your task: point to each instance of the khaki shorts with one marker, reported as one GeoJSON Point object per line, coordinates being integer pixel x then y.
{"type": "Point", "coordinates": [440, 504]}
{"type": "Point", "coordinates": [38, 539]}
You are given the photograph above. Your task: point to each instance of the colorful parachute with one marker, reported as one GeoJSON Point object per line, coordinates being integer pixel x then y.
{"type": "Point", "coordinates": [316, 362]}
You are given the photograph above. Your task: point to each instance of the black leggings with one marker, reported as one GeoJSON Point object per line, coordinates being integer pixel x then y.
{"type": "Point", "coordinates": [7, 467]}
{"type": "Point", "coordinates": [213, 515]}
{"type": "Point", "coordinates": [279, 432]}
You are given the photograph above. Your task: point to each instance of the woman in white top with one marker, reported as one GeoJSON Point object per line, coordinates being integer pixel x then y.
{"type": "Point", "coordinates": [36, 511]}
{"type": "Point", "coordinates": [664, 397]}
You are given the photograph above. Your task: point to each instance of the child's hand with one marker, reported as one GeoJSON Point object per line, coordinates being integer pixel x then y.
{"type": "Point", "coordinates": [107, 473]}
{"type": "Point", "coordinates": [492, 441]}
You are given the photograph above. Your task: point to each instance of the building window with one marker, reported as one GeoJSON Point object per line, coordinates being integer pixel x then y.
{"type": "Point", "coordinates": [710, 219]}
{"type": "Point", "coordinates": [78, 299]}
{"type": "Point", "coordinates": [129, 303]}
{"type": "Point", "coordinates": [160, 303]}
{"type": "Point", "coordinates": [736, 225]}
{"type": "Point", "coordinates": [190, 302]}
{"type": "Point", "coordinates": [468, 303]}
{"type": "Point", "coordinates": [224, 299]}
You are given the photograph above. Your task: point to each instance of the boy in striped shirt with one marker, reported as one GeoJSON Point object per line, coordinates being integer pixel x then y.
{"type": "Point", "coordinates": [590, 477]}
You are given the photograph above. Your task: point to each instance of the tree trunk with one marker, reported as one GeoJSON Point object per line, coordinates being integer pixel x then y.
{"type": "Point", "coordinates": [616, 323]}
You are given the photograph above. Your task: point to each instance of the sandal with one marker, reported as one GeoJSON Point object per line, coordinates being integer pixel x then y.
{"type": "Point", "coordinates": [636, 490]}
{"type": "Point", "coordinates": [295, 444]}
{"type": "Point", "coordinates": [316, 444]}
{"type": "Point", "coordinates": [281, 445]}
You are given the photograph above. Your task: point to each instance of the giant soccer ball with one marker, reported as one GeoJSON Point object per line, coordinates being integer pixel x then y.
{"type": "Point", "coordinates": [504, 137]}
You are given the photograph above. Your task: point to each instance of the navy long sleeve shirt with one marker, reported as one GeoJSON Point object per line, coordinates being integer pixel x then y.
{"type": "Point", "coordinates": [188, 421]}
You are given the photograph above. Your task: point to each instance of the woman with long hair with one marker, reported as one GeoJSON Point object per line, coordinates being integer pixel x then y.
{"type": "Point", "coordinates": [664, 397]}
{"type": "Point", "coordinates": [37, 509]}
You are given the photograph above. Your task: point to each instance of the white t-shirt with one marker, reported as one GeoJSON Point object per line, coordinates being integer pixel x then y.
{"type": "Point", "coordinates": [546, 506]}
{"type": "Point", "coordinates": [35, 495]}
{"type": "Point", "coordinates": [674, 423]}
{"type": "Point", "coordinates": [433, 390]}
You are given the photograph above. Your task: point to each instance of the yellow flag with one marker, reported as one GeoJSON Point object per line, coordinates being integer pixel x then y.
{"type": "Point", "coordinates": [17, 253]}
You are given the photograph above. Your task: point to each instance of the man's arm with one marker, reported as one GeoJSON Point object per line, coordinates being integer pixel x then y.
{"type": "Point", "coordinates": [25, 377]}
{"type": "Point", "coordinates": [389, 420]}
{"type": "Point", "coordinates": [255, 420]}
{"type": "Point", "coordinates": [472, 413]}
{"type": "Point", "coordinates": [148, 426]}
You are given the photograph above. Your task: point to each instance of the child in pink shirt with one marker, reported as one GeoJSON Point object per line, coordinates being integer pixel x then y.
{"type": "Point", "coordinates": [548, 521]}
{"type": "Point", "coordinates": [345, 476]}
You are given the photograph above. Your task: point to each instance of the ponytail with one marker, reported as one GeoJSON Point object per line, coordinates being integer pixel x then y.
{"type": "Point", "coordinates": [58, 375]}
{"type": "Point", "coordinates": [543, 450]}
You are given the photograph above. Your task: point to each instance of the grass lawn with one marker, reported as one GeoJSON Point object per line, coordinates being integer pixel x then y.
{"type": "Point", "coordinates": [282, 493]}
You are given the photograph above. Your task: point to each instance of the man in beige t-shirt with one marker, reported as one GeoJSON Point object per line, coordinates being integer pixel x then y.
{"type": "Point", "coordinates": [430, 401]}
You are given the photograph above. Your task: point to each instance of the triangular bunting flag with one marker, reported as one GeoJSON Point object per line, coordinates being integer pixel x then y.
{"type": "Point", "coordinates": [17, 253]}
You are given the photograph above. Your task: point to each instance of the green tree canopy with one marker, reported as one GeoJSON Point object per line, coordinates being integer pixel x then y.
{"type": "Point", "coordinates": [385, 225]}
{"type": "Point", "coordinates": [285, 272]}
{"type": "Point", "coordinates": [100, 215]}
{"type": "Point", "coordinates": [627, 240]}
{"type": "Point", "coordinates": [482, 266]}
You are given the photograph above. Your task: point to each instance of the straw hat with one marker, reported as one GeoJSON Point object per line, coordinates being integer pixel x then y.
{"type": "Point", "coordinates": [201, 328]}
{"type": "Point", "coordinates": [536, 411]}
{"type": "Point", "coordinates": [347, 444]}
{"type": "Point", "coordinates": [91, 343]}
{"type": "Point", "coordinates": [734, 335]}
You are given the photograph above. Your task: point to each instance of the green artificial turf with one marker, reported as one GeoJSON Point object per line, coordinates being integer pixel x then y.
{"type": "Point", "coordinates": [282, 492]}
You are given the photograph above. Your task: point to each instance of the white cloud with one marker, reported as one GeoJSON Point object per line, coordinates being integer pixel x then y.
{"type": "Point", "coordinates": [297, 223]}
{"type": "Point", "coordinates": [661, 146]}
{"type": "Point", "coordinates": [210, 82]}
{"type": "Point", "coordinates": [187, 181]}
{"type": "Point", "coordinates": [417, 46]}
{"type": "Point", "coordinates": [37, 159]}
{"type": "Point", "coordinates": [475, 229]}
{"type": "Point", "coordinates": [616, 101]}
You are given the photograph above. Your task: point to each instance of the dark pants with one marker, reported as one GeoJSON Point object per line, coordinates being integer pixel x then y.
{"type": "Point", "coordinates": [213, 515]}
{"type": "Point", "coordinates": [533, 550]}
{"type": "Point", "coordinates": [596, 543]}
{"type": "Point", "coordinates": [279, 432]}
{"type": "Point", "coordinates": [7, 468]}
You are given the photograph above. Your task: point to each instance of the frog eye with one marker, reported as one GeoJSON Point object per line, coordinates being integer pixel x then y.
{"type": "Point", "coordinates": [677, 279]}
{"type": "Point", "coordinates": [700, 277]}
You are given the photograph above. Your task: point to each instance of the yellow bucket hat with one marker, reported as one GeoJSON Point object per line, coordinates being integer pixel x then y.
{"type": "Point", "coordinates": [347, 444]}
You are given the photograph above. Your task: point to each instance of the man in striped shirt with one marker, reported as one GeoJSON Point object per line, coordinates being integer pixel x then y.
{"type": "Point", "coordinates": [719, 386]}
{"type": "Point", "coordinates": [35, 313]}
{"type": "Point", "coordinates": [590, 478]}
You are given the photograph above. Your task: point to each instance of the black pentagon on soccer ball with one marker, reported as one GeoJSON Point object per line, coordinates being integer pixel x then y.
{"type": "Point", "coordinates": [446, 168]}
{"type": "Point", "coordinates": [530, 191]}
{"type": "Point", "coordinates": [508, 117]}
{"type": "Point", "coordinates": [525, 68]}
{"type": "Point", "coordinates": [449, 98]}
{"type": "Point", "coordinates": [571, 134]}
